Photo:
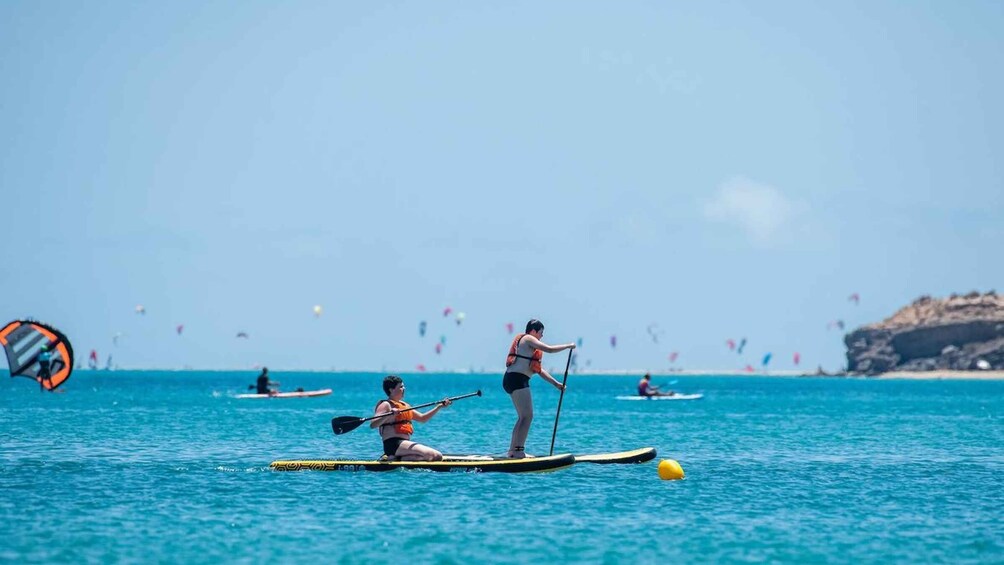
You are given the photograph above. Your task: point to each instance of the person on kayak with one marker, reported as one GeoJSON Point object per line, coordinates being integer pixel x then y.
{"type": "Point", "coordinates": [523, 361]}
{"type": "Point", "coordinates": [263, 383]}
{"type": "Point", "coordinates": [647, 389]}
{"type": "Point", "coordinates": [396, 428]}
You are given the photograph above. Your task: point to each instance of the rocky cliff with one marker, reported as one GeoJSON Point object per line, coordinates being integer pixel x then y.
{"type": "Point", "coordinates": [956, 333]}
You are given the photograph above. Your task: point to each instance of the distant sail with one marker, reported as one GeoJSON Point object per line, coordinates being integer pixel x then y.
{"type": "Point", "coordinates": [22, 341]}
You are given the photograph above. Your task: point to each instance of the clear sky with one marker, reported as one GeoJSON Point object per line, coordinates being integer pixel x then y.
{"type": "Point", "coordinates": [721, 169]}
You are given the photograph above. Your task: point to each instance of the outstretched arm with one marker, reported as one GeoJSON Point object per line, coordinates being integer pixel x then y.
{"type": "Point", "coordinates": [537, 344]}
{"type": "Point", "coordinates": [418, 416]}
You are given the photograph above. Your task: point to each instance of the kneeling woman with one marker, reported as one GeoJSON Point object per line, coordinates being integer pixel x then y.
{"type": "Point", "coordinates": [396, 428]}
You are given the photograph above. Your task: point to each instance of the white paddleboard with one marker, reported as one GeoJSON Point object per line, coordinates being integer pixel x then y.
{"type": "Point", "coordinates": [301, 394]}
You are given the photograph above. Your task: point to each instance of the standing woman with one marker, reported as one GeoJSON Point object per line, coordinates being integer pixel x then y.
{"type": "Point", "coordinates": [522, 362]}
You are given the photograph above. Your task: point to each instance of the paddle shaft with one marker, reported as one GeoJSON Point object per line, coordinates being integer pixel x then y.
{"type": "Point", "coordinates": [426, 405]}
{"type": "Point", "coordinates": [345, 424]}
{"type": "Point", "coordinates": [557, 414]}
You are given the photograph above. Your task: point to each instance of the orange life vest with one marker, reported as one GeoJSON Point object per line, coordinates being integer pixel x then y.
{"type": "Point", "coordinates": [513, 355]}
{"type": "Point", "coordinates": [402, 424]}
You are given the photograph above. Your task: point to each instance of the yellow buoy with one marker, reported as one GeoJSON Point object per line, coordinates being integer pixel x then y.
{"type": "Point", "coordinates": [670, 470]}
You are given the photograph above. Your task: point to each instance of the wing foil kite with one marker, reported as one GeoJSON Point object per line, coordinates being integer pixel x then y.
{"type": "Point", "coordinates": [23, 342]}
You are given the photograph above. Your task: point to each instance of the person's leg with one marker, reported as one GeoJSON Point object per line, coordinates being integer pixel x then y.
{"type": "Point", "coordinates": [411, 451]}
{"type": "Point", "coordinates": [523, 401]}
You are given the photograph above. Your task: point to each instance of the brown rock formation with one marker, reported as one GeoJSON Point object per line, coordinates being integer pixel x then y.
{"type": "Point", "coordinates": [957, 333]}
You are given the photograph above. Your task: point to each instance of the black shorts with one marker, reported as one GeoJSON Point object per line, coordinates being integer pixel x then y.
{"type": "Point", "coordinates": [390, 445]}
{"type": "Point", "coordinates": [514, 381]}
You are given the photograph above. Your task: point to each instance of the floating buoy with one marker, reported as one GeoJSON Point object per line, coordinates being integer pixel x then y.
{"type": "Point", "coordinates": [670, 470]}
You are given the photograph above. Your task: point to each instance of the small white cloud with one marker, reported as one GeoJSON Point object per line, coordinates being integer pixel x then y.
{"type": "Point", "coordinates": [762, 211]}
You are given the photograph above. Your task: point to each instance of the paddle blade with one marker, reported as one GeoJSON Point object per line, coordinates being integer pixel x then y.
{"type": "Point", "coordinates": [345, 424]}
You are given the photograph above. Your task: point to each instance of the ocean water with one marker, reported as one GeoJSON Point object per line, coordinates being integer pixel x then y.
{"type": "Point", "coordinates": [170, 467]}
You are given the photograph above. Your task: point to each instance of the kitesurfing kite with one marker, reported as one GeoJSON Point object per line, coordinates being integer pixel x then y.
{"type": "Point", "coordinates": [673, 356]}
{"type": "Point", "coordinates": [442, 340]}
{"type": "Point", "coordinates": [613, 341]}
{"type": "Point", "coordinates": [855, 298]}
{"type": "Point", "coordinates": [653, 332]}
{"type": "Point", "coordinates": [92, 359]}
{"type": "Point", "coordinates": [115, 338]}
{"type": "Point", "coordinates": [742, 344]}
{"type": "Point", "coordinates": [140, 309]}
{"type": "Point", "coordinates": [835, 324]}
{"type": "Point", "coordinates": [242, 334]}
{"type": "Point", "coordinates": [509, 327]}
{"type": "Point", "coordinates": [446, 311]}
{"type": "Point", "coordinates": [460, 317]}
{"type": "Point", "coordinates": [318, 311]}
{"type": "Point", "coordinates": [421, 328]}
{"type": "Point", "coordinates": [766, 360]}
{"type": "Point", "coordinates": [439, 348]}
{"type": "Point", "coordinates": [420, 368]}
{"type": "Point", "coordinates": [731, 343]}
{"type": "Point", "coordinates": [578, 342]}
{"type": "Point", "coordinates": [796, 358]}
{"type": "Point", "coordinates": [23, 342]}
{"type": "Point", "coordinates": [180, 328]}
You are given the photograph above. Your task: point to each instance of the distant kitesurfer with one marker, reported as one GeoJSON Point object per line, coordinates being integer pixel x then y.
{"type": "Point", "coordinates": [396, 428]}
{"type": "Point", "coordinates": [645, 388]}
{"type": "Point", "coordinates": [44, 367]}
{"type": "Point", "coordinates": [523, 361]}
{"type": "Point", "coordinates": [264, 383]}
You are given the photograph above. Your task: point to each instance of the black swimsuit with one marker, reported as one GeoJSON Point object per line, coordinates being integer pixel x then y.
{"type": "Point", "coordinates": [513, 381]}
{"type": "Point", "coordinates": [390, 445]}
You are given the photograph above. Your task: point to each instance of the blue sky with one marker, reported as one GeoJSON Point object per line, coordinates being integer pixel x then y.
{"type": "Point", "coordinates": [722, 169]}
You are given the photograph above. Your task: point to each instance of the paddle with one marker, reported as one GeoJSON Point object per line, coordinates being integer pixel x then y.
{"type": "Point", "coordinates": [345, 424]}
{"type": "Point", "coordinates": [560, 398]}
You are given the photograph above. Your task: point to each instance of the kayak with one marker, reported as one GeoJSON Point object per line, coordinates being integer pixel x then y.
{"type": "Point", "coordinates": [300, 394]}
{"type": "Point", "coordinates": [673, 397]}
{"type": "Point", "coordinates": [454, 463]}
{"type": "Point", "coordinates": [635, 456]}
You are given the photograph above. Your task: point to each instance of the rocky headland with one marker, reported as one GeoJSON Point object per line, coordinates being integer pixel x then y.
{"type": "Point", "coordinates": [959, 333]}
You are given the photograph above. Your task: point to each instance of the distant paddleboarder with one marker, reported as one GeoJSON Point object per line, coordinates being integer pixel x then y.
{"type": "Point", "coordinates": [396, 428]}
{"type": "Point", "coordinates": [263, 383]}
{"type": "Point", "coordinates": [645, 388]}
{"type": "Point", "coordinates": [523, 361]}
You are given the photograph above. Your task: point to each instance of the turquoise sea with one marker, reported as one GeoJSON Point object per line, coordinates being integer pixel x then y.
{"type": "Point", "coordinates": [170, 467]}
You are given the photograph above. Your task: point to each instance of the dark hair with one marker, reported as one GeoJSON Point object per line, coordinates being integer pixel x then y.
{"type": "Point", "coordinates": [534, 324]}
{"type": "Point", "coordinates": [391, 381]}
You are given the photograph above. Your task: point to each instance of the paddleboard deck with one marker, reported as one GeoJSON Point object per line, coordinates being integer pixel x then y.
{"type": "Point", "coordinates": [672, 397]}
{"type": "Point", "coordinates": [623, 457]}
{"type": "Point", "coordinates": [634, 456]}
{"type": "Point", "coordinates": [300, 394]}
{"type": "Point", "coordinates": [450, 463]}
